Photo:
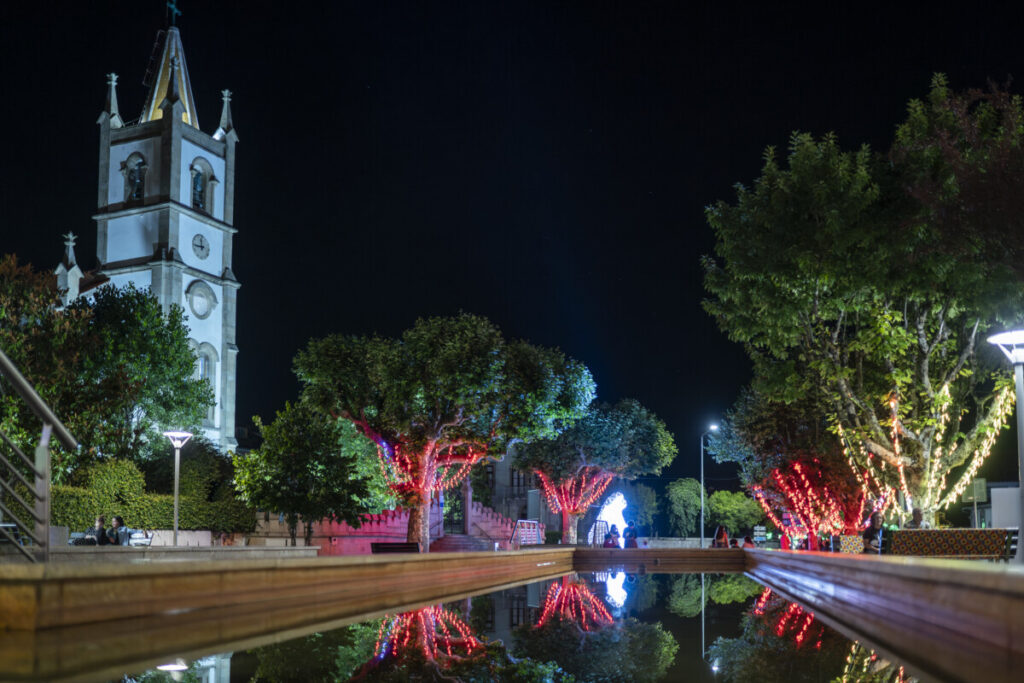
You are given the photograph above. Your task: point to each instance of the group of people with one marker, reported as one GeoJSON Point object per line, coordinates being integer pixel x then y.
{"type": "Point", "coordinates": [611, 539]}
{"type": "Point", "coordinates": [117, 534]}
{"type": "Point", "coordinates": [722, 540]}
{"type": "Point", "coordinates": [875, 538]}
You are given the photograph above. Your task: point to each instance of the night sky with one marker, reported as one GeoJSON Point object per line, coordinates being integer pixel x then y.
{"type": "Point", "coordinates": [542, 164]}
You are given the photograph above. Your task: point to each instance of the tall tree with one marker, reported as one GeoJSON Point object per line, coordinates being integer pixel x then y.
{"type": "Point", "coordinates": [736, 511]}
{"type": "Point", "coordinates": [684, 496]}
{"type": "Point", "coordinates": [140, 366]}
{"type": "Point", "coordinates": [308, 466]}
{"type": "Point", "coordinates": [840, 273]}
{"type": "Point", "coordinates": [115, 368]}
{"type": "Point", "coordinates": [625, 440]}
{"type": "Point", "coordinates": [446, 395]}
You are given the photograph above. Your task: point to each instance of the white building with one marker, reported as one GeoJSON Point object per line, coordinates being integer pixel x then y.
{"type": "Point", "coordinates": [164, 218]}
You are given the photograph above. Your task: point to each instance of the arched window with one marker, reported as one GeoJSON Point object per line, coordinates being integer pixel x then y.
{"type": "Point", "coordinates": [134, 170]}
{"type": "Point", "coordinates": [203, 184]}
{"type": "Point", "coordinates": [206, 368]}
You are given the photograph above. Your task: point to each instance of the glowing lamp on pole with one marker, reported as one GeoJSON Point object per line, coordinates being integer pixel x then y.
{"type": "Point", "coordinates": [178, 439]}
{"type": "Point", "coordinates": [1012, 344]}
{"type": "Point", "coordinates": [711, 428]}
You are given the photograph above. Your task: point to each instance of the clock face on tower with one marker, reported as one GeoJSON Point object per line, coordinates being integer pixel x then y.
{"type": "Point", "coordinates": [200, 246]}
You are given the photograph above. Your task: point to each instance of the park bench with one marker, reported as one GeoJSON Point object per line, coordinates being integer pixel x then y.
{"type": "Point", "coordinates": [405, 547]}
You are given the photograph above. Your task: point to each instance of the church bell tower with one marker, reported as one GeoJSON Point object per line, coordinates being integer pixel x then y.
{"type": "Point", "coordinates": [165, 216]}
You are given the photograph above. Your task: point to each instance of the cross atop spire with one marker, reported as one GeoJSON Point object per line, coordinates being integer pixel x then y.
{"type": "Point", "coordinates": [173, 12]}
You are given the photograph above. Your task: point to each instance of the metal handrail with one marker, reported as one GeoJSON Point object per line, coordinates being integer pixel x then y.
{"type": "Point", "coordinates": [37, 404]}
{"type": "Point", "coordinates": [40, 469]}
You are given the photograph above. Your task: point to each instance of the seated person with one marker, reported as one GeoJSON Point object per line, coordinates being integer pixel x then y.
{"type": "Point", "coordinates": [97, 535]}
{"type": "Point", "coordinates": [748, 542]}
{"type": "Point", "coordinates": [118, 533]}
{"type": "Point", "coordinates": [609, 541]}
{"type": "Point", "coordinates": [917, 520]}
{"type": "Point", "coordinates": [874, 535]}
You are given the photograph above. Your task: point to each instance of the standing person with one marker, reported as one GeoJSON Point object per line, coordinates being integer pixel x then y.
{"type": "Point", "coordinates": [917, 520]}
{"type": "Point", "coordinates": [97, 535]}
{"type": "Point", "coordinates": [721, 537]}
{"type": "Point", "coordinates": [630, 535]}
{"type": "Point", "coordinates": [874, 535]}
{"type": "Point", "coordinates": [118, 534]}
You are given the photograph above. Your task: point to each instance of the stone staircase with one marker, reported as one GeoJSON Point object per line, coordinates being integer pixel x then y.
{"type": "Point", "coordinates": [460, 543]}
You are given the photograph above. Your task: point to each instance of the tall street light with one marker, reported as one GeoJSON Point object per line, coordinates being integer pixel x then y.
{"type": "Point", "coordinates": [712, 428]}
{"type": "Point", "coordinates": [178, 439]}
{"type": "Point", "coordinates": [1012, 344]}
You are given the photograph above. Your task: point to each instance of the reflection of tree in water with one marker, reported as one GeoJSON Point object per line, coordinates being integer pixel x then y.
{"type": "Point", "coordinates": [722, 589]}
{"type": "Point", "coordinates": [781, 641]}
{"type": "Point", "coordinates": [864, 666]}
{"type": "Point", "coordinates": [577, 632]}
{"type": "Point", "coordinates": [435, 644]}
{"type": "Point", "coordinates": [574, 601]}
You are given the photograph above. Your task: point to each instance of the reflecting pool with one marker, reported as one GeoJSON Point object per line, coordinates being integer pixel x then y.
{"type": "Point", "coordinates": [602, 626]}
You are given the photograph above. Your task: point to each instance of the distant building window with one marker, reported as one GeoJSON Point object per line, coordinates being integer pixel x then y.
{"type": "Point", "coordinates": [134, 170]}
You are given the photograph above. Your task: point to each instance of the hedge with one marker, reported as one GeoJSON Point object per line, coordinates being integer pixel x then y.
{"type": "Point", "coordinates": [117, 488]}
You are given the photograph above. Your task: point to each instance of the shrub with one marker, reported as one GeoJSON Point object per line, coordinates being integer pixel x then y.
{"type": "Point", "coordinates": [116, 487]}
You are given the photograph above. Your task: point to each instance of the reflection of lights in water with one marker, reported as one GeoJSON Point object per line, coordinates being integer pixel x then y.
{"type": "Point", "coordinates": [616, 593]}
{"type": "Point", "coordinates": [612, 513]}
{"type": "Point", "coordinates": [176, 665]}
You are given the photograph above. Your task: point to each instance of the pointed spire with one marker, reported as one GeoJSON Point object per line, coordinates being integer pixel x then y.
{"type": "Point", "coordinates": [170, 82]}
{"type": "Point", "coordinates": [172, 87]}
{"type": "Point", "coordinates": [111, 106]}
{"type": "Point", "coordinates": [69, 275]}
{"type": "Point", "coordinates": [226, 126]}
{"type": "Point", "coordinates": [69, 251]}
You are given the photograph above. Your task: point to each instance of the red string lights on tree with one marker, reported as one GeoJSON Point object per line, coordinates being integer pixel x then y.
{"type": "Point", "coordinates": [575, 602]}
{"type": "Point", "coordinates": [400, 467]}
{"type": "Point", "coordinates": [576, 494]}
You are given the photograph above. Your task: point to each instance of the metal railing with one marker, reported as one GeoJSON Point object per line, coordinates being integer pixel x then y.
{"type": "Point", "coordinates": [33, 524]}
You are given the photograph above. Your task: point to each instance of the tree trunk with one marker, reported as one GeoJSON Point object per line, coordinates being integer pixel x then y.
{"type": "Point", "coordinates": [569, 523]}
{"type": "Point", "coordinates": [308, 528]}
{"type": "Point", "coordinates": [419, 525]}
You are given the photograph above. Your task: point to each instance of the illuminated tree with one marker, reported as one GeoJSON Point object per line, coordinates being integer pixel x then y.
{"type": "Point", "coordinates": [625, 440]}
{"type": "Point", "coordinates": [869, 281]}
{"type": "Point", "coordinates": [447, 394]}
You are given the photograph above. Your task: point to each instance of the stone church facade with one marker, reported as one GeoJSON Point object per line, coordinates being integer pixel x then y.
{"type": "Point", "coordinates": [165, 219]}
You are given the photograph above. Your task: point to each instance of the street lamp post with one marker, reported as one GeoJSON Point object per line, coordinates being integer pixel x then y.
{"type": "Point", "coordinates": [712, 428]}
{"type": "Point", "coordinates": [178, 439]}
{"type": "Point", "coordinates": [1012, 344]}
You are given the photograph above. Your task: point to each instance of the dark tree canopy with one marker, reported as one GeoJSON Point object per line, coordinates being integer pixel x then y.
{"type": "Point", "coordinates": [448, 393]}
{"type": "Point", "coordinates": [116, 369]}
{"type": "Point", "coordinates": [308, 465]}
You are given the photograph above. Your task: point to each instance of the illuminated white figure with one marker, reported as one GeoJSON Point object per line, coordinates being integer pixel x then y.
{"type": "Point", "coordinates": [611, 512]}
